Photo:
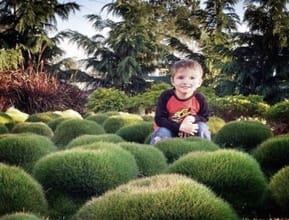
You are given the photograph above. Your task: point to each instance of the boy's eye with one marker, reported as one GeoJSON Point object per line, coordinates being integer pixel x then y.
{"type": "Point", "coordinates": [192, 77]}
{"type": "Point", "coordinates": [180, 77]}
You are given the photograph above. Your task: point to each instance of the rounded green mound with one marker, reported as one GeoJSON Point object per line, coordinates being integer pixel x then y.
{"type": "Point", "coordinates": [90, 138]}
{"type": "Point", "coordinates": [85, 172]}
{"type": "Point", "coordinates": [24, 149]}
{"type": "Point", "coordinates": [42, 117]}
{"type": "Point", "coordinates": [136, 133]}
{"type": "Point", "coordinates": [272, 154]}
{"type": "Point", "coordinates": [215, 124]}
{"type": "Point", "coordinates": [173, 148]}
{"type": "Point", "coordinates": [72, 128]}
{"type": "Point", "coordinates": [19, 191]}
{"type": "Point", "coordinates": [21, 216]}
{"type": "Point", "coordinates": [242, 134]}
{"type": "Point", "coordinates": [279, 188]}
{"type": "Point", "coordinates": [115, 122]}
{"type": "Point", "coordinates": [55, 122]}
{"type": "Point", "coordinates": [150, 160]}
{"type": "Point", "coordinates": [3, 129]}
{"type": "Point", "coordinates": [158, 197]}
{"type": "Point", "coordinates": [33, 127]}
{"type": "Point", "coordinates": [234, 175]}
{"type": "Point", "coordinates": [98, 117]}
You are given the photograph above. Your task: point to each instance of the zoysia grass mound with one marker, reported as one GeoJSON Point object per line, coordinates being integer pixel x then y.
{"type": "Point", "coordinates": [21, 216]}
{"type": "Point", "coordinates": [33, 127]}
{"type": "Point", "coordinates": [158, 197]}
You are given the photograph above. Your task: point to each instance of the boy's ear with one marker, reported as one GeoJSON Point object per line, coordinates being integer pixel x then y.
{"type": "Point", "coordinates": [172, 80]}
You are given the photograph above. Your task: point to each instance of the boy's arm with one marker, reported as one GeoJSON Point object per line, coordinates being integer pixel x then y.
{"type": "Point", "coordinates": [204, 113]}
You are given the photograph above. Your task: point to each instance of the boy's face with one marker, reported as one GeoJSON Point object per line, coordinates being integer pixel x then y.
{"type": "Point", "coordinates": [186, 81]}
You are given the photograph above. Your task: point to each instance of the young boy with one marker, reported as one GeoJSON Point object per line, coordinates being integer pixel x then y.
{"type": "Point", "coordinates": [182, 111]}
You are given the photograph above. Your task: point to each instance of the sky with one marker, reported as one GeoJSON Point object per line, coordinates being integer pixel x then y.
{"type": "Point", "coordinates": [77, 22]}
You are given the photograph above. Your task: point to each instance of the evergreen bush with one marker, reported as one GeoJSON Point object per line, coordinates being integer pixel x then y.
{"type": "Point", "coordinates": [234, 175]}
{"type": "Point", "coordinates": [158, 197]}
{"type": "Point", "coordinates": [33, 127]}
{"type": "Point", "coordinates": [85, 172]}
{"type": "Point", "coordinates": [3, 129]}
{"type": "Point", "coordinates": [279, 188]}
{"type": "Point", "coordinates": [137, 132]}
{"type": "Point", "coordinates": [24, 149]}
{"type": "Point", "coordinates": [98, 117]}
{"type": "Point", "coordinates": [215, 124]}
{"type": "Point", "coordinates": [149, 159]}
{"type": "Point", "coordinates": [55, 122]}
{"type": "Point", "coordinates": [72, 128]}
{"type": "Point", "coordinates": [42, 117]}
{"type": "Point", "coordinates": [21, 216]}
{"type": "Point", "coordinates": [272, 154]}
{"type": "Point", "coordinates": [90, 138]}
{"type": "Point", "coordinates": [19, 191]}
{"type": "Point", "coordinates": [6, 120]}
{"type": "Point", "coordinates": [173, 148]}
{"type": "Point", "coordinates": [244, 135]}
{"type": "Point", "coordinates": [115, 122]}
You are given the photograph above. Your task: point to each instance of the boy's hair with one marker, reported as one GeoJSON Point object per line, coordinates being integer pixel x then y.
{"type": "Point", "coordinates": [191, 64]}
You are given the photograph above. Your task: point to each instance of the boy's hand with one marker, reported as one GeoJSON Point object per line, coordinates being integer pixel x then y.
{"type": "Point", "coordinates": [188, 127]}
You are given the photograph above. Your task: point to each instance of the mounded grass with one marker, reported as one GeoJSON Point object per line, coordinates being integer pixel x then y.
{"type": "Point", "coordinates": [272, 154]}
{"type": "Point", "coordinates": [33, 127]}
{"type": "Point", "coordinates": [7, 120]}
{"type": "Point", "coordinates": [19, 191]}
{"type": "Point", "coordinates": [55, 122]}
{"type": "Point", "coordinates": [72, 128]}
{"type": "Point", "coordinates": [98, 117]}
{"type": "Point", "coordinates": [158, 197]}
{"type": "Point", "coordinates": [149, 159]}
{"type": "Point", "coordinates": [85, 172]}
{"type": "Point", "coordinates": [279, 188]}
{"type": "Point", "coordinates": [24, 149]}
{"type": "Point", "coordinates": [21, 216]}
{"type": "Point", "coordinates": [174, 148]}
{"type": "Point", "coordinates": [215, 124]}
{"type": "Point", "coordinates": [3, 129]}
{"type": "Point", "coordinates": [90, 138]}
{"type": "Point", "coordinates": [137, 132]}
{"type": "Point", "coordinates": [234, 175]}
{"type": "Point", "coordinates": [44, 117]}
{"type": "Point", "coordinates": [244, 135]}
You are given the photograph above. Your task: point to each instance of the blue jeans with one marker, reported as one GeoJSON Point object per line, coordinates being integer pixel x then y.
{"type": "Point", "coordinates": [163, 133]}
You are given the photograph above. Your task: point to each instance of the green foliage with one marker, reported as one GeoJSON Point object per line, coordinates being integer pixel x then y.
{"type": "Point", "coordinates": [21, 216]}
{"type": "Point", "coordinates": [10, 59]}
{"type": "Point", "coordinates": [148, 99]}
{"type": "Point", "coordinates": [33, 127]}
{"type": "Point", "coordinates": [98, 117]}
{"type": "Point", "coordinates": [72, 128]}
{"type": "Point", "coordinates": [55, 122]}
{"type": "Point", "coordinates": [137, 132]}
{"type": "Point", "coordinates": [279, 188]}
{"type": "Point", "coordinates": [103, 99]}
{"type": "Point", "coordinates": [234, 107]}
{"type": "Point", "coordinates": [3, 129]}
{"type": "Point", "coordinates": [85, 172]}
{"type": "Point", "coordinates": [115, 122]}
{"type": "Point", "coordinates": [215, 124]}
{"type": "Point", "coordinates": [245, 135]}
{"type": "Point", "coordinates": [19, 191]}
{"type": "Point", "coordinates": [24, 149]}
{"type": "Point", "coordinates": [272, 154]}
{"type": "Point", "coordinates": [173, 148]}
{"type": "Point", "coordinates": [150, 160]}
{"type": "Point", "coordinates": [42, 117]}
{"type": "Point", "coordinates": [233, 175]}
{"type": "Point", "coordinates": [5, 118]}
{"type": "Point", "coordinates": [158, 197]}
{"type": "Point", "coordinates": [90, 138]}
{"type": "Point", "coordinates": [16, 114]}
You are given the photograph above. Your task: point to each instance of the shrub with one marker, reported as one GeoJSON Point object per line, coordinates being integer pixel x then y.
{"type": "Point", "coordinates": [234, 107]}
{"type": "Point", "coordinates": [149, 159]}
{"type": "Point", "coordinates": [16, 115]}
{"type": "Point", "coordinates": [69, 113]}
{"type": "Point", "coordinates": [158, 197]}
{"type": "Point", "coordinates": [33, 127]}
{"type": "Point", "coordinates": [19, 191]}
{"type": "Point", "coordinates": [72, 128]}
{"type": "Point", "coordinates": [90, 138]}
{"type": "Point", "coordinates": [3, 129]}
{"type": "Point", "coordinates": [245, 135]}
{"type": "Point", "coordinates": [55, 122]}
{"type": "Point", "coordinates": [103, 100]}
{"type": "Point", "coordinates": [215, 124]}
{"type": "Point", "coordinates": [279, 188]}
{"type": "Point", "coordinates": [173, 148]}
{"type": "Point", "coordinates": [24, 149]}
{"type": "Point", "coordinates": [85, 172]}
{"type": "Point", "coordinates": [136, 133]}
{"type": "Point", "coordinates": [115, 122]}
{"type": "Point", "coordinates": [233, 175]}
{"type": "Point", "coordinates": [21, 216]}
{"type": "Point", "coordinates": [272, 154]}
{"type": "Point", "coordinates": [42, 117]}
{"type": "Point", "coordinates": [98, 117]}
{"type": "Point", "coordinates": [6, 120]}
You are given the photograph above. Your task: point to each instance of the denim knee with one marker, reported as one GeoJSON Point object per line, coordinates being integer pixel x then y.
{"type": "Point", "coordinates": [204, 131]}
{"type": "Point", "coordinates": [159, 134]}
